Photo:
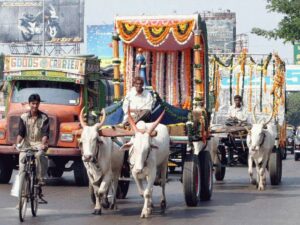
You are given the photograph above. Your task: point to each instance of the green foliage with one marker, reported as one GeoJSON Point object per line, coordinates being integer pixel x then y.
{"type": "Point", "coordinates": [288, 28]}
{"type": "Point", "coordinates": [293, 108]}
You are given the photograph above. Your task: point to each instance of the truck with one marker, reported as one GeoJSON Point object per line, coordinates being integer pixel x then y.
{"type": "Point", "coordinates": [66, 85]}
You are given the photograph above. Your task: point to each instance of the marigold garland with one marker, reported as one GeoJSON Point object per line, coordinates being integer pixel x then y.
{"type": "Point", "coordinates": [156, 34]}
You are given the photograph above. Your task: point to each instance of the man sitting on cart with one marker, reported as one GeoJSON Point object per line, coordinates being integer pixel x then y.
{"type": "Point", "coordinates": [140, 102]}
{"type": "Point", "coordinates": [237, 113]}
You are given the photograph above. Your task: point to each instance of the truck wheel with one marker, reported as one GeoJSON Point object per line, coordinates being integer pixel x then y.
{"type": "Point", "coordinates": [275, 168]}
{"type": "Point", "coordinates": [296, 157]}
{"type": "Point", "coordinates": [206, 168]}
{"type": "Point", "coordinates": [123, 185]}
{"type": "Point", "coordinates": [191, 180]}
{"type": "Point", "coordinates": [5, 170]}
{"type": "Point", "coordinates": [80, 175]}
{"type": "Point", "coordinates": [220, 169]}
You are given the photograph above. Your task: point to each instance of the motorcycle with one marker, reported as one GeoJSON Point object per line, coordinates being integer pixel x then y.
{"type": "Point", "coordinates": [33, 25]}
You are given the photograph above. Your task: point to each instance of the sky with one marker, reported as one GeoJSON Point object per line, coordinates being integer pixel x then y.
{"type": "Point", "coordinates": [249, 14]}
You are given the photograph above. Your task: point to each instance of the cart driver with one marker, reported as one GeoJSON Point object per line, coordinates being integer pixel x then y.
{"type": "Point", "coordinates": [237, 113]}
{"type": "Point", "coordinates": [140, 102]}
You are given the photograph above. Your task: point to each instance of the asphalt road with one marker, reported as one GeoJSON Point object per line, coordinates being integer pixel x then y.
{"type": "Point", "coordinates": [234, 202]}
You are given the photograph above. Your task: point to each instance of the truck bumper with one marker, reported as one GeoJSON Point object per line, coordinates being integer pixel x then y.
{"type": "Point", "coordinates": [10, 150]}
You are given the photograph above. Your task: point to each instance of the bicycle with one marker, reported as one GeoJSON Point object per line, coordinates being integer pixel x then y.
{"type": "Point", "coordinates": [29, 189]}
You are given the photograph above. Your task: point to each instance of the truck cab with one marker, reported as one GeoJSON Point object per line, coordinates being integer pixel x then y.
{"type": "Point", "coordinates": [65, 85]}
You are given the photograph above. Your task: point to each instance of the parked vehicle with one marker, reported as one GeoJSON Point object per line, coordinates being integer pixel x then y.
{"type": "Point", "coordinates": [290, 135]}
{"type": "Point", "coordinates": [297, 144]}
{"type": "Point", "coordinates": [66, 85]}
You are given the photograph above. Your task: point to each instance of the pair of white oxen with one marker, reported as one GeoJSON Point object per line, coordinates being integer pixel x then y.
{"type": "Point", "coordinates": [260, 141]}
{"type": "Point", "coordinates": [148, 157]}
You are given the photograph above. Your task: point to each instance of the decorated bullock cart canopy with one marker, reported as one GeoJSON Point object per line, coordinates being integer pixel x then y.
{"type": "Point", "coordinates": [175, 48]}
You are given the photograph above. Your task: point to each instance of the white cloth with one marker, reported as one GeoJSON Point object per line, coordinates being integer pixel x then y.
{"type": "Point", "coordinates": [239, 113]}
{"type": "Point", "coordinates": [137, 101]}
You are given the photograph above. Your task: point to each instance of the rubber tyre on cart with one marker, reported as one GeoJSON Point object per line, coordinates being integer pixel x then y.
{"type": "Point", "coordinates": [206, 175]}
{"type": "Point", "coordinates": [220, 169]}
{"type": "Point", "coordinates": [80, 174]}
{"type": "Point", "coordinates": [191, 180]}
{"type": "Point", "coordinates": [123, 185]}
{"type": "Point", "coordinates": [5, 170]}
{"type": "Point", "coordinates": [275, 168]}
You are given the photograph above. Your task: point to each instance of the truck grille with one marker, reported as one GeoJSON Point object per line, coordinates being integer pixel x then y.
{"type": "Point", "coordinates": [13, 122]}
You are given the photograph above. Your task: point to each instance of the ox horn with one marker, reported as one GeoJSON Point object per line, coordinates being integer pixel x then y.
{"type": "Point", "coordinates": [157, 121]}
{"type": "Point", "coordinates": [270, 117]}
{"type": "Point", "coordinates": [102, 119]}
{"type": "Point", "coordinates": [83, 124]}
{"type": "Point", "coordinates": [131, 121]}
{"type": "Point", "coordinates": [254, 115]}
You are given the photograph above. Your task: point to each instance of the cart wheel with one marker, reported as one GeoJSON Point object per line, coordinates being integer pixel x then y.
{"type": "Point", "coordinates": [275, 168]}
{"type": "Point", "coordinates": [92, 193]}
{"type": "Point", "coordinates": [123, 185]}
{"type": "Point", "coordinates": [206, 175]}
{"type": "Point", "coordinates": [191, 180]}
{"type": "Point", "coordinates": [221, 170]}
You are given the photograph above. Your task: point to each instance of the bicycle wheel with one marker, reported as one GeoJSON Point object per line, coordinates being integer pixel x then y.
{"type": "Point", "coordinates": [24, 194]}
{"type": "Point", "coordinates": [34, 195]}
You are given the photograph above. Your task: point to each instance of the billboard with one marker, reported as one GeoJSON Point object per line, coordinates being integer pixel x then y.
{"type": "Point", "coordinates": [221, 31]}
{"type": "Point", "coordinates": [99, 42]}
{"type": "Point", "coordinates": [22, 21]}
{"type": "Point", "coordinates": [297, 53]}
{"type": "Point", "coordinates": [292, 77]}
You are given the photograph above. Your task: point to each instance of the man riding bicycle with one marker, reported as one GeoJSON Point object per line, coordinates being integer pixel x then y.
{"type": "Point", "coordinates": [34, 133]}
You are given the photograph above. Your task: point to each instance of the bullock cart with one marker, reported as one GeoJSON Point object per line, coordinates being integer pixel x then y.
{"type": "Point", "coordinates": [175, 51]}
{"type": "Point", "coordinates": [232, 150]}
{"type": "Point", "coordinates": [260, 81]}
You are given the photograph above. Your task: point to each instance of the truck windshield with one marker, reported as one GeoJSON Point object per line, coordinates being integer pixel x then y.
{"type": "Point", "coordinates": [51, 92]}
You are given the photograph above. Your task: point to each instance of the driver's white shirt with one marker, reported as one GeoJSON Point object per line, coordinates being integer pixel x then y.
{"type": "Point", "coordinates": [240, 113]}
{"type": "Point", "coordinates": [137, 101]}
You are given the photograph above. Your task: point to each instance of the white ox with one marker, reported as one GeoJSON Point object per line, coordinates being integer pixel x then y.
{"type": "Point", "coordinates": [260, 142]}
{"type": "Point", "coordinates": [149, 159]}
{"type": "Point", "coordinates": [103, 163]}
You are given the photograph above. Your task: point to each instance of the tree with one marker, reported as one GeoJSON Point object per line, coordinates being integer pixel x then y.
{"type": "Point", "coordinates": [288, 28]}
{"type": "Point", "coordinates": [293, 108]}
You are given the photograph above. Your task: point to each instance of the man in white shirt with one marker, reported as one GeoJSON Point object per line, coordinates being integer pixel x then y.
{"type": "Point", "coordinates": [139, 100]}
{"type": "Point", "coordinates": [238, 112]}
